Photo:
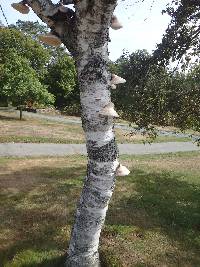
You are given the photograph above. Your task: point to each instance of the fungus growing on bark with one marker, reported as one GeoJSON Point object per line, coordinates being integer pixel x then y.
{"type": "Point", "coordinates": [50, 39]}
{"type": "Point", "coordinates": [115, 24]}
{"type": "Point", "coordinates": [122, 171]}
{"type": "Point", "coordinates": [21, 7]}
{"type": "Point", "coordinates": [109, 111]}
{"type": "Point", "coordinates": [113, 86]}
{"type": "Point", "coordinates": [116, 79]}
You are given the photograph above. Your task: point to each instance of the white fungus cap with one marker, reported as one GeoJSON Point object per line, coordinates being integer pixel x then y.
{"type": "Point", "coordinates": [113, 86]}
{"type": "Point", "coordinates": [115, 24]}
{"type": "Point", "coordinates": [116, 79]}
{"type": "Point", "coordinates": [122, 171]}
{"type": "Point", "coordinates": [50, 39]}
{"type": "Point", "coordinates": [109, 111]}
{"type": "Point", "coordinates": [21, 7]}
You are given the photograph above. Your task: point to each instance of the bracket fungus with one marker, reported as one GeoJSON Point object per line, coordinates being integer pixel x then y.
{"type": "Point", "coordinates": [21, 7]}
{"type": "Point", "coordinates": [50, 39]}
{"type": "Point", "coordinates": [109, 111]}
{"type": "Point", "coordinates": [113, 86]}
{"type": "Point", "coordinates": [117, 80]}
{"type": "Point", "coordinates": [122, 171]}
{"type": "Point", "coordinates": [115, 24]}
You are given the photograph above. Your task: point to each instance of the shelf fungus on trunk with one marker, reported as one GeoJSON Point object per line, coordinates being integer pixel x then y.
{"type": "Point", "coordinates": [50, 39]}
{"type": "Point", "coordinates": [122, 171]}
{"type": "Point", "coordinates": [109, 111]}
{"type": "Point", "coordinates": [116, 79]}
{"type": "Point", "coordinates": [113, 86]}
{"type": "Point", "coordinates": [115, 24]}
{"type": "Point", "coordinates": [21, 7]}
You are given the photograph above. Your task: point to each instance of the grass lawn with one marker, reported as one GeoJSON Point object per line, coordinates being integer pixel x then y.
{"type": "Point", "coordinates": [153, 219]}
{"type": "Point", "coordinates": [32, 130]}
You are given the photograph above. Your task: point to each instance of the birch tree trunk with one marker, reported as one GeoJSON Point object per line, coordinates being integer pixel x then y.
{"type": "Point", "coordinates": [94, 81]}
{"type": "Point", "coordinates": [86, 35]}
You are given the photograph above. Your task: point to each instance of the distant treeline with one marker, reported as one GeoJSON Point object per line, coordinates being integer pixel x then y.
{"type": "Point", "coordinates": [41, 75]}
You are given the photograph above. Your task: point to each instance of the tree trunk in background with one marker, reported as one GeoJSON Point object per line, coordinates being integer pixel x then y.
{"type": "Point", "coordinates": [20, 113]}
{"type": "Point", "coordinates": [94, 79]}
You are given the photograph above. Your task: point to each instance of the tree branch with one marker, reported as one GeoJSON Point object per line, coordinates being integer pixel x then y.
{"type": "Point", "coordinates": [62, 22]}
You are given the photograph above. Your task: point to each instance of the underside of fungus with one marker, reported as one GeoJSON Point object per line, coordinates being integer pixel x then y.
{"type": "Point", "coordinates": [50, 39]}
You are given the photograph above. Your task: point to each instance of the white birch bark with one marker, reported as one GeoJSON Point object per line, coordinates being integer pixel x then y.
{"type": "Point", "coordinates": [94, 81]}
{"type": "Point", "coordinates": [89, 45]}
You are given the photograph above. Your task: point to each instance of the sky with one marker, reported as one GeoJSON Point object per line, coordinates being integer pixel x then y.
{"type": "Point", "coordinates": [143, 25]}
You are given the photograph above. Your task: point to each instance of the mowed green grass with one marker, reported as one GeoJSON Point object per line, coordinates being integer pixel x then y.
{"type": "Point", "coordinates": [32, 130]}
{"type": "Point", "coordinates": [153, 218]}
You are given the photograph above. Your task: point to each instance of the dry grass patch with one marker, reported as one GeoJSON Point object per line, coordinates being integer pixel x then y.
{"type": "Point", "coordinates": [167, 162]}
{"type": "Point", "coordinates": [37, 198]}
{"type": "Point", "coordinates": [35, 130]}
{"type": "Point", "coordinates": [23, 174]}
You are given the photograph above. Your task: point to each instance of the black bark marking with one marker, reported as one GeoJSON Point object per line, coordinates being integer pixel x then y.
{"type": "Point", "coordinates": [61, 16]}
{"type": "Point", "coordinates": [94, 125]}
{"type": "Point", "coordinates": [94, 171]}
{"type": "Point", "coordinates": [94, 70]}
{"type": "Point", "coordinates": [106, 153]}
{"type": "Point", "coordinates": [93, 198]}
{"type": "Point", "coordinates": [90, 6]}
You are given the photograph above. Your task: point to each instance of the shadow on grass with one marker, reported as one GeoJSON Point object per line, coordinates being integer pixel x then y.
{"type": "Point", "coordinates": [56, 262]}
{"type": "Point", "coordinates": [162, 201]}
{"type": "Point", "coordinates": [37, 214]}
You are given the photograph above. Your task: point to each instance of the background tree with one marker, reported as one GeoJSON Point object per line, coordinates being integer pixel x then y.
{"type": "Point", "coordinates": [142, 100]}
{"type": "Point", "coordinates": [54, 68]}
{"type": "Point", "coordinates": [180, 44]}
{"type": "Point", "coordinates": [154, 95]}
{"type": "Point", "coordinates": [19, 82]}
{"type": "Point", "coordinates": [32, 28]}
{"type": "Point", "coordinates": [60, 72]}
{"type": "Point", "coordinates": [182, 34]}
{"type": "Point", "coordinates": [61, 79]}
{"type": "Point", "coordinates": [183, 100]}
{"type": "Point", "coordinates": [25, 47]}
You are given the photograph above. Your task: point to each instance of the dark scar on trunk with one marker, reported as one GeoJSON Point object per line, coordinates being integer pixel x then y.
{"type": "Point", "coordinates": [106, 153]}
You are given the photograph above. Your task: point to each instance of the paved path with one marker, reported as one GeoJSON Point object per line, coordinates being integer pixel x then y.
{"type": "Point", "coordinates": [21, 149]}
